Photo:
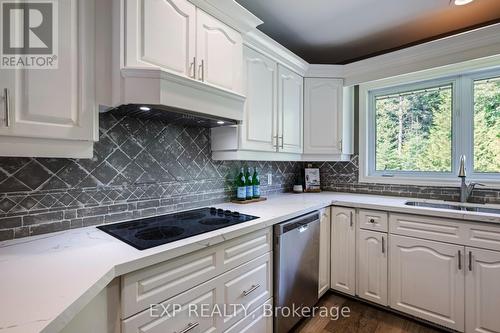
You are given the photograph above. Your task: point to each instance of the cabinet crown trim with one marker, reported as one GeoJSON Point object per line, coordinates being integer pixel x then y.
{"type": "Point", "coordinates": [229, 12]}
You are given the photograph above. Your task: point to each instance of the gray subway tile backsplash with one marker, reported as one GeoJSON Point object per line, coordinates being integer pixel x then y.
{"type": "Point", "coordinates": [134, 173]}
{"type": "Point", "coordinates": [138, 173]}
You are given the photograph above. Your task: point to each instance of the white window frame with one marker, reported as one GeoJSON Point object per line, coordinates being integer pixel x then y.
{"type": "Point", "coordinates": [461, 76]}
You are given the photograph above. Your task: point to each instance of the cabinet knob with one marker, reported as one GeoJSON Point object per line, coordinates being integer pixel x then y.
{"type": "Point", "coordinates": [372, 220]}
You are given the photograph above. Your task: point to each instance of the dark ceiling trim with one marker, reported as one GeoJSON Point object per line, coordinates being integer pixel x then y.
{"type": "Point", "coordinates": [421, 41]}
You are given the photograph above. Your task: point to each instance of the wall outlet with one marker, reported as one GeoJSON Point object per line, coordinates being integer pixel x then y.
{"type": "Point", "coordinates": [269, 179]}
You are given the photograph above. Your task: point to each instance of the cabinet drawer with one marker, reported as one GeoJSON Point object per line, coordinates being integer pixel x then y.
{"type": "Point", "coordinates": [427, 227]}
{"type": "Point", "coordinates": [247, 286]}
{"type": "Point", "coordinates": [157, 283]}
{"type": "Point", "coordinates": [373, 220]}
{"type": "Point", "coordinates": [256, 322]}
{"type": "Point", "coordinates": [233, 294]}
{"type": "Point", "coordinates": [163, 319]}
{"type": "Point", "coordinates": [483, 236]}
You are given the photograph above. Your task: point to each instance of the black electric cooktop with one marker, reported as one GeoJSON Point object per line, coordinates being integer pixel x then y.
{"type": "Point", "coordinates": [153, 231]}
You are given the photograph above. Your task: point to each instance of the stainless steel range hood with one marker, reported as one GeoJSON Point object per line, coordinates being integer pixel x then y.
{"type": "Point", "coordinates": [172, 115]}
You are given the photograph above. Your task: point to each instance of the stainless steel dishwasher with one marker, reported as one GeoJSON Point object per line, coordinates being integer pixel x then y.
{"type": "Point", "coordinates": [296, 268]}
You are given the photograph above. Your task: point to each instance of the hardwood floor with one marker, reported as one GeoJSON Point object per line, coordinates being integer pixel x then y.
{"type": "Point", "coordinates": [363, 318]}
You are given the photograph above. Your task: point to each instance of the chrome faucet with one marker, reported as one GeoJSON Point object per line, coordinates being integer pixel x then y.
{"type": "Point", "coordinates": [465, 190]}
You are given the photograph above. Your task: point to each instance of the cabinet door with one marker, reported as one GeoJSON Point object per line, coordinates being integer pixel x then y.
{"type": "Point", "coordinates": [482, 291]}
{"type": "Point", "coordinates": [161, 33]}
{"type": "Point", "coordinates": [324, 252]}
{"type": "Point", "coordinates": [343, 250]}
{"type": "Point", "coordinates": [372, 266]}
{"type": "Point", "coordinates": [258, 321]}
{"type": "Point", "coordinates": [56, 103]}
{"type": "Point", "coordinates": [427, 280]}
{"type": "Point", "coordinates": [258, 131]}
{"type": "Point", "coordinates": [290, 105]}
{"type": "Point", "coordinates": [323, 116]}
{"type": "Point", "coordinates": [219, 52]}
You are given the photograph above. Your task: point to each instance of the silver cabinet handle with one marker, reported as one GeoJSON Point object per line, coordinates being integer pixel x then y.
{"type": "Point", "coordinates": [383, 244]}
{"type": "Point", "coordinates": [275, 137]}
{"type": "Point", "coordinates": [6, 98]}
{"type": "Point", "coordinates": [252, 289]}
{"type": "Point", "coordinates": [201, 70]}
{"type": "Point", "coordinates": [459, 260]}
{"type": "Point", "coordinates": [282, 138]}
{"type": "Point", "coordinates": [192, 69]}
{"type": "Point", "coordinates": [340, 145]}
{"type": "Point", "coordinates": [189, 327]}
{"type": "Point", "coordinates": [351, 222]}
{"type": "Point", "coordinates": [470, 261]}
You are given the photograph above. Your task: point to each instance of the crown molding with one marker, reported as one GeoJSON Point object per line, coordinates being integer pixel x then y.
{"type": "Point", "coordinates": [264, 44]}
{"type": "Point", "coordinates": [230, 12]}
{"type": "Point", "coordinates": [326, 71]}
{"type": "Point", "coordinates": [471, 45]}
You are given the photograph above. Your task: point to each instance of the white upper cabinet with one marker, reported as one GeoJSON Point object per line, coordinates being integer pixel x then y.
{"type": "Point", "coordinates": [290, 106]}
{"type": "Point", "coordinates": [52, 112]}
{"type": "Point", "coordinates": [219, 53]}
{"type": "Point", "coordinates": [259, 128]}
{"type": "Point", "coordinates": [272, 124]}
{"type": "Point", "coordinates": [328, 119]}
{"type": "Point", "coordinates": [179, 38]}
{"type": "Point", "coordinates": [165, 37]}
{"type": "Point", "coordinates": [323, 116]}
{"type": "Point", "coordinates": [482, 291]}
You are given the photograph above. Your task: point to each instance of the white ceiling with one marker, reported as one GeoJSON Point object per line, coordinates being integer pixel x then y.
{"type": "Point", "coordinates": [335, 31]}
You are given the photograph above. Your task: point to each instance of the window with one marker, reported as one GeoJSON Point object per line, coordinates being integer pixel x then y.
{"type": "Point", "coordinates": [413, 130]}
{"type": "Point", "coordinates": [415, 133]}
{"type": "Point", "coordinates": [487, 125]}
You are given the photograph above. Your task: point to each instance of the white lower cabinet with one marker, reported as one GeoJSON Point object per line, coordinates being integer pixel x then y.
{"type": "Point", "coordinates": [427, 280]}
{"type": "Point", "coordinates": [211, 290]}
{"type": "Point", "coordinates": [163, 318]}
{"type": "Point", "coordinates": [247, 286]}
{"type": "Point", "coordinates": [258, 321]}
{"type": "Point", "coordinates": [343, 250]}
{"type": "Point", "coordinates": [324, 252]}
{"type": "Point", "coordinates": [372, 266]}
{"type": "Point", "coordinates": [162, 281]}
{"type": "Point", "coordinates": [482, 291]}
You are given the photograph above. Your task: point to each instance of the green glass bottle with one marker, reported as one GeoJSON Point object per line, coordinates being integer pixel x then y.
{"type": "Point", "coordinates": [256, 184]}
{"type": "Point", "coordinates": [241, 189]}
{"type": "Point", "coordinates": [249, 184]}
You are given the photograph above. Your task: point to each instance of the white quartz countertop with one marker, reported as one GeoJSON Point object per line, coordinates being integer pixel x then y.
{"type": "Point", "coordinates": [46, 280]}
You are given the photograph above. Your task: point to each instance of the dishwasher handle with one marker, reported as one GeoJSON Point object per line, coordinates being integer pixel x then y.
{"type": "Point", "coordinates": [301, 223]}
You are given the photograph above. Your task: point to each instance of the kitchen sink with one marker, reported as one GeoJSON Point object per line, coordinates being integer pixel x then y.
{"type": "Point", "coordinates": [467, 208]}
